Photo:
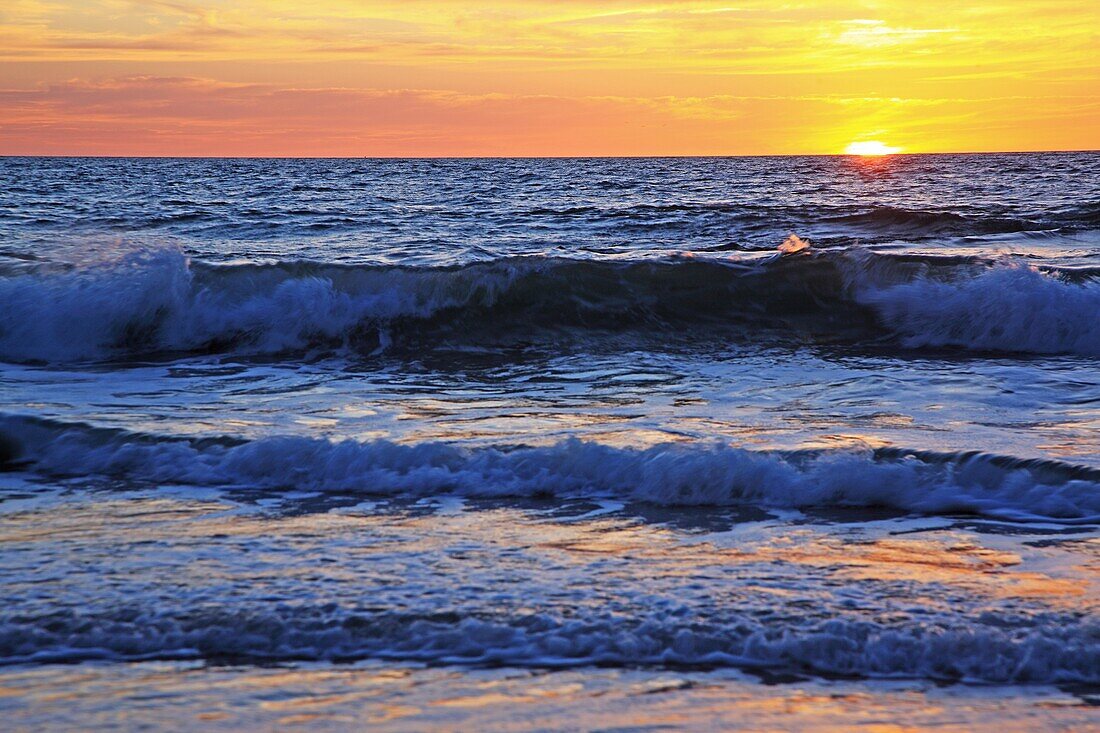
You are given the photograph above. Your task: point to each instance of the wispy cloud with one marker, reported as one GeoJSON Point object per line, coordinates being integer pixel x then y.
{"type": "Point", "coordinates": [190, 115]}
{"type": "Point", "coordinates": [678, 76]}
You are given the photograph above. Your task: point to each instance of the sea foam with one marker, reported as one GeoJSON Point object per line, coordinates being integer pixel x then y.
{"type": "Point", "coordinates": [698, 473]}
{"type": "Point", "coordinates": [149, 301]}
{"type": "Point", "coordinates": [1007, 308]}
{"type": "Point", "coordinates": [993, 648]}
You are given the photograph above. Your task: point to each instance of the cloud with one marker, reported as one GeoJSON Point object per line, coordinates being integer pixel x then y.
{"type": "Point", "coordinates": [186, 115]}
{"type": "Point", "coordinates": [753, 36]}
{"type": "Point", "coordinates": [161, 115]}
{"type": "Point", "coordinates": [876, 33]}
{"type": "Point", "coordinates": [543, 76]}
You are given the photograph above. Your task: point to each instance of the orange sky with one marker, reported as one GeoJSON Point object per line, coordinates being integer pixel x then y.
{"type": "Point", "coordinates": [568, 77]}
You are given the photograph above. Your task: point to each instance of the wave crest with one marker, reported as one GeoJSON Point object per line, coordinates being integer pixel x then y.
{"type": "Point", "coordinates": [155, 300]}
{"type": "Point", "coordinates": [706, 474]}
{"type": "Point", "coordinates": [1007, 308]}
{"type": "Point", "coordinates": [994, 648]}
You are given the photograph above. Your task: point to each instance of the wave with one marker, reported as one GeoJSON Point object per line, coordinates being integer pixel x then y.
{"type": "Point", "coordinates": [1005, 646]}
{"type": "Point", "coordinates": [844, 220]}
{"type": "Point", "coordinates": [147, 301]}
{"type": "Point", "coordinates": [991, 648]}
{"type": "Point", "coordinates": [697, 473]}
{"type": "Point", "coordinates": [1011, 308]}
{"type": "Point", "coordinates": [882, 218]}
{"type": "Point", "coordinates": [899, 220]}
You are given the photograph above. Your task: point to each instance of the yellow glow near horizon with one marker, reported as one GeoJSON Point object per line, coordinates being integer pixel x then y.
{"type": "Point", "coordinates": [545, 77]}
{"type": "Point", "coordinates": [870, 147]}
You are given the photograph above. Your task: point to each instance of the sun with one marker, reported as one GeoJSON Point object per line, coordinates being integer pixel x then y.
{"type": "Point", "coordinates": [870, 147]}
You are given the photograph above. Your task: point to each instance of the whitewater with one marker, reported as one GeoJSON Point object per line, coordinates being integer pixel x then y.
{"type": "Point", "coordinates": [417, 443]}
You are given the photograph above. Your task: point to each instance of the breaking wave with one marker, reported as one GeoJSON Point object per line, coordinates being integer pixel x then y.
{"type": "Point", "coordinates": [149, 301]}
{"type": "Point", "coordinates": [701, 473]}
{"type": "Point", "coordinates": [992, 648]}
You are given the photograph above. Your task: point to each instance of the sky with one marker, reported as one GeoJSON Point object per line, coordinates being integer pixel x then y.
{"type": "Point", "coordinates": [567, 77]}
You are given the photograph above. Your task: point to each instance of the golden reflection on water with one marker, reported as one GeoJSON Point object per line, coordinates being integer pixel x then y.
{"type": "Point", "coordinates": [363, 554]}
{"type": "Point", "coordinates": [315, 697]}
{"type": "Point", "coordinates": [337, 547]}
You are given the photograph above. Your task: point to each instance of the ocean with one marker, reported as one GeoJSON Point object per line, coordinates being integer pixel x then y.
{"type": "Point", "coordinates": [634, 444]}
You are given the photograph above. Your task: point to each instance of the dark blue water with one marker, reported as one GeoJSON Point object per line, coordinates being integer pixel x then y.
{"type": "Point", "coordinates": [444, 212]}
{"type": "Point", "coordinates": [813, 416]}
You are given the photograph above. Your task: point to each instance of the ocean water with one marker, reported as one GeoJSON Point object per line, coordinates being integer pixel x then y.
{"type": "Point", "coordinates": [797, 443]}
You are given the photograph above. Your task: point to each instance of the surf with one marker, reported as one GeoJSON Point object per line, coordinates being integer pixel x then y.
{"type": "Point", "coordinates": [146, 301]}
{"type": "Point", "coordinates": [696, 473]}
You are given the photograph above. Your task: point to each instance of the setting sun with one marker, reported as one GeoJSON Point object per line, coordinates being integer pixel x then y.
{"type": "Point", "coordinates": [870, 147]}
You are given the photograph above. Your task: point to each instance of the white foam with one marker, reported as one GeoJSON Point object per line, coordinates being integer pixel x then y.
{"type": "Point", "coordinates": [709, 474]}
{"type": "Point", "coordinates": [142, 300]}
{"type": "Point", "coordinates": [150, 299]}
{"type": "Point", "coordinates": [989, 649]}
{"type": "Point", "coordinates": [1010, 307]}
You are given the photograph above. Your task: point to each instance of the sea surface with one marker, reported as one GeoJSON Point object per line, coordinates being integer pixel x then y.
{"type": "Point", "coordinates": [633, 444]}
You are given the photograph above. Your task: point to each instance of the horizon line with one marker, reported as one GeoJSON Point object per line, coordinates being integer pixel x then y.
{"type": "Point", "coordinates": [654, 156]}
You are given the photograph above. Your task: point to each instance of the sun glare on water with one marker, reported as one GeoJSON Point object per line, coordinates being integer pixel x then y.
{"type": "Point", "coordinates": [870, 147]}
